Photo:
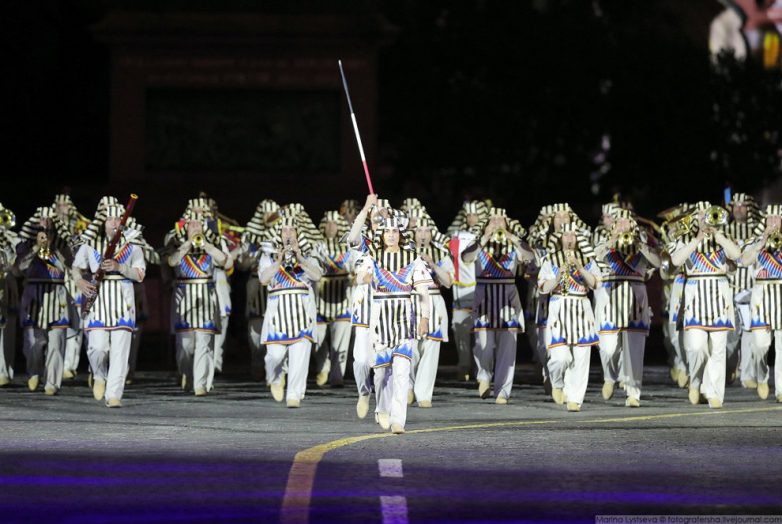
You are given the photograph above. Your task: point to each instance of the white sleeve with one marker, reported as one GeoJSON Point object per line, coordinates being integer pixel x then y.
{"type": "Point", "coordinates": [81, 260]}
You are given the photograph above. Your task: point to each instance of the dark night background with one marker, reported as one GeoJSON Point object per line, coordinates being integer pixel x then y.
{"type": "Point", "coordinates": [527, 103]}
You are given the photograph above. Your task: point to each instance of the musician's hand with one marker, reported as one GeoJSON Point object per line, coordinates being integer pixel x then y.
{"type": "Point", "coordinates": [371, 201]}
{"type": "Point", "coordinates": [109, 265]}
{"type": "Point", "coordinates": [41, 239]}
{"type": "Point", "coordinates": [86, 288]}
{"type": "Point", "coordinates": [278, 256]}
{"type": "Point", "coordinates": [423, 327]}
{"type": "Point", "coordinates": [426, 257]}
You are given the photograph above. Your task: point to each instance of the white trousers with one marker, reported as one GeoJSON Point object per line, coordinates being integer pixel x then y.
{"type": "Point", "coordinates": [423, 371]}
{"type": "Point", "coordinates": [461, 322]}
{"type": "Point", "coordinates": [541, 351]}
{"type": "Point", "coordinates": [298, 355]}
{"type": "Point", "coordinates": [219, 343]}
{"type": "Point", "coordinates": [363, 360]}
{"type": "Point", "coordinates": [496, 350]}
{"type": "Point", "coordinates": [195, 357]}
{"type": "Point", "coordinates": [6, 357]}
{"type": "Point", "coordinates": [74, 340]}
{"type": "Point", "coordinates": [568, 368]}
{"type": "Point", "coordinates": [706, 352]}
{"type": "Point", "coordinates": [257, 349]}
{"type": "Point", "coordinates": [675, 338]}
{"type": "Point", "coordinates": [761, 347]}
{"type": "Point", "coordinates": [629, 348]}
{"type": "Point", "coordinates": [108, 354]}
{"type": "Point", "coordinates": [391, 385]}
{"type": "Point", "coordinates": [44, 350]}
{"type": "Point", "coordinates": [331, 356]}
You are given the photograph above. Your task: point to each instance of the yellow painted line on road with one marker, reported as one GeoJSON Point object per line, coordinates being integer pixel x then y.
{"type": "Point", "coordinates": [301, 478]}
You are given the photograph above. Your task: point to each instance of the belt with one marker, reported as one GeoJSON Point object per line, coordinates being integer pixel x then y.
{"type": "Point", "coordinates": [195, 281]}
{"type": "Point", "coordinates": [290, 291]}
{"type": "Point", "coordinates": [390, 296]}
{"type": "Point", "coordinates": [574, 295]}
{"type": "Point", "coordinates": [115, 277]}
{"type": "Point", "coordinates": [496, 281]}
{"type": "Point", "coordinates": [707, 275]}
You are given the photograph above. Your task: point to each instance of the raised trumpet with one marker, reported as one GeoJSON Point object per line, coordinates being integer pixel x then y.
{"type": "Point", "coordinates": [774, 241]}
{"type": "Point", "coordinates": [7, 219]}
{"type": "Point", "coordinates": [716, 216]}
{"type": "Point", "coordinates": [500, 236]}
{"type": "Point", "coordinates": [626, 239]}
{"type": "Point", "coordinates": [198, 240]}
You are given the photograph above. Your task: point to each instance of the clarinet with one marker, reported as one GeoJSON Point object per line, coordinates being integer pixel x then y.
{"type": "Point", "coordinates": [97, 278]}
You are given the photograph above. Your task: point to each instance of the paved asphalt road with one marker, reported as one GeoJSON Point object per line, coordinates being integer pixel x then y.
{"type": "Point", "coordinates": [170, 457]}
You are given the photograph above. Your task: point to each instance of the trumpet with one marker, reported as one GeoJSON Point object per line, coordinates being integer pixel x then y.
{"type": "Point", "coordinates": [500, 236]}
{"type": "Point", "coordinates": [774, 241]}
{"type": "Point", "coordinates": [626, 239]}
{"type": "Point", "coordinates": [198, 240]}
{"type": "Point", "coordinates": [716, 216]}
{"type": "Point", "coordinates": [289, 259]}
{"type": "Point", "coordinates": [567, 270]}
{"type": "Point", "coordinates": [7, 219]}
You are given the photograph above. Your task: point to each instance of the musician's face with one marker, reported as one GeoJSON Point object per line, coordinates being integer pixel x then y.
{"type": "Point", "coordinates": [330, 229]}
{"type": "Point", "coordinates": [62, 209]}
{"type": "Point", "coordinates": [391, 237]}
{"type": "Point", "coordinates": [569, 241]}
{"type": "Point", "coordinates": [423, 236]}
{"type": "Point", "coordinates": [288, 235]}
{"type": "Point", "coordinates": [46, 223]}
{"type": "Point", "coordinates": [740, 212]}
{"type": "Point", "coordinates": [112, 223]}
{"type": "Point", "coordinates": [472, 219]}
{"type": "Point", "coordinates": [412, 222]}
{"type": "Point", "coordinates": [497, 220]}
{"type": "Point", "coordinates": [623, 225]}
{"type": "Point", "coordinates": [608, 220]}
{"type": "Point", "coordinates": [560, 219]}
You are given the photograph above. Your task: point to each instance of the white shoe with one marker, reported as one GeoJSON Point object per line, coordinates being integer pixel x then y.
{"type": "Point", "coordinates": [572, 406]}
{"type": "Point", "coordinates": [183, 382]}
{"type": "Point", "coordinates": [608, 390]}
{"type": "Point", "coordinates": [763, 390]}
{"type": "Point", "coordinates": [362, 406]}
{"type": "Point", "coordinates": [557, 395]}
{"type": "Point", "coordinates": [397, 429]}
{"type": "Point", "coordinates": [501, 400]}
{"type": "Point", "coordinates": [68, 374]}
{"type": "Point", "coordinates": [715, 403]}
{"type": "Point", "coordinates": [32, 383]}
{"type": "Point", "coordinates": [410, 397]}
{"type": "Point", "coordinates": [278, 392]}
{"type": "Point", "coordinates": [694, 395]}
{"type": "Point", "coordinates": [4, 381]}
{"type": "Point", "coordinates": [200, 392]}
{"type": "Point", "coordinates": [484, 388]}
{"type": "Point", "coordinates": [321, 378]}
{"type": "Point", "coordinates": [98, 388]}
{"type": "Point", "coordinates": [424, 403]}
{"type": "Point", "coordinates": [750, 384]}
{"type": "Point", "coordinates": [293, 403]}
{"type": "Point", "coordinates": [384, 420]}
{"type": "Point", "coordinates": [632, 402]}
{"type": "Point", "coordinates": [114, 403]}
{"type": "Point", "coordinates": [50, 390]}
{"type": "Point", "coordinates": [683, 379]}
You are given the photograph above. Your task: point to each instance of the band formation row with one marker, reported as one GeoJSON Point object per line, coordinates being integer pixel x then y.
{"type": "Point", "coordinates": [375, 275]}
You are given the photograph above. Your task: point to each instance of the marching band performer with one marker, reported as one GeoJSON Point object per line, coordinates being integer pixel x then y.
{"type": "Point", "coordinates": [622, 308]}
{"type": "Point", "coordinates": [359, 239]}
{"type": "Point", "coordinates": [253, 242]}
{"type": "Point", "coordinates": [708, 301]}
{"type": "Point", "coordinates": [764, 253]}
{"type": "Point", "coordinates": [195, 303]}
{"type": "Point", "coordinates": [8, 242]}
{"type": "Point", "coordinates": [497, 312]}
{"type": "Point", "coordinates": [334, 292]}
{"type": "Point", "coordinates": [744, 219]}
{"type": "Point", "coordinates": [430, 247]}
{"type": "Point", "coordinates": [110, 322]}
{"type": "Point", "coordinates": [567, 274]}
{"type": "Point", "coordinates": [463, 232]}
{"type": "Point", "coordinates": [289, 323]}
{"type": "Point", "coordinates": [394, 270]}
{"type": "Point", "coordinates": [44, 307]}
